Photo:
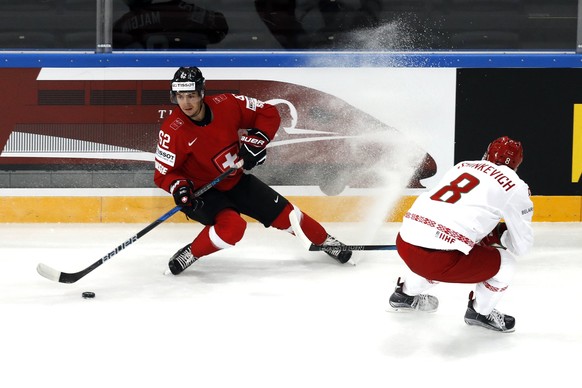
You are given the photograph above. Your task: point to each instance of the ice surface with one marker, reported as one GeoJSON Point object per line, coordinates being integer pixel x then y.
{"type": "Point", "coordinates": [268, 313]}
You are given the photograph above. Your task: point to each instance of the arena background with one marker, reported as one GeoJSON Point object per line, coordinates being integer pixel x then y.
{"type": "Point", "coordinates": [449, 106]}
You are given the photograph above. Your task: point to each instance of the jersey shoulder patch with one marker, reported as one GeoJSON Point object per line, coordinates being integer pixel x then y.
{"type": "Point", "coordinates": [251, 103]}
{"type": "Point", "coordinates": [176, 124]}
{"type": "Point", "coordinates": [218, 99]}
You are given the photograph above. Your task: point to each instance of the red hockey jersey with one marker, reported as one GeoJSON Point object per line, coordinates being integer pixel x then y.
{"type": "Point", "coordinates": [201, 153]}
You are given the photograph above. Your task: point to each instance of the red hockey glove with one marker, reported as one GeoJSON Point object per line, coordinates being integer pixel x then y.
{"type": "Point", "coordinates": [253, 148]}
{"type": "Point", "coordinates": [183, 192]}
{"type": "Point", "coordinates": [494, 237]}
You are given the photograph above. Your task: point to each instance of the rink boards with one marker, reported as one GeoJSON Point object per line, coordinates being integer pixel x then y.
{"type": "Point", "coordinates": [325, 209]}
{"type": "Point", "coordinates": [89, 121]}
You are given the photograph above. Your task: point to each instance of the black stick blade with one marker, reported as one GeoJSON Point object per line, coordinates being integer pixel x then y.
{"type": "Point", "coordinates": [353, 247]}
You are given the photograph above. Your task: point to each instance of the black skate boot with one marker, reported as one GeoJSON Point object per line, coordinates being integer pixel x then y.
{"type": "Point", "coordinates": [399, 301]}
{"type": "Point", "coordinates": [181, 260]}
{"type": "Point", "coordinates": [341, 256]}
{"type": "Point", "coordinates": [494, 321]}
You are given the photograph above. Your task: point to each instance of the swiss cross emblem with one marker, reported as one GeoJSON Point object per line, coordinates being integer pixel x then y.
{"type": "Point", "coordinates": [226, 158]}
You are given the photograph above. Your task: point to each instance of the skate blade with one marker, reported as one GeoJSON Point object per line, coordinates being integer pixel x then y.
{"type": "Point", "coordinates": [472, 322]}
{"type": "Point", "coordinates": [404, 310]}
{"type": "Point", "coordinates": [399, 310]}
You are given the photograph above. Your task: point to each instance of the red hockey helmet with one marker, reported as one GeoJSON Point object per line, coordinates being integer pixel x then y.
{"type": "Point", "coordinates": [505, 151]}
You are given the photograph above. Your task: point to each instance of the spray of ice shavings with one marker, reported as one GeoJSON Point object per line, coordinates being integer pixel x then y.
{"type": "Point", "coordinates": [377, 46]}
{"type": "Point", "coordinates": [392, 156]}
{"type": "Point", "coordinates": [392, 173]}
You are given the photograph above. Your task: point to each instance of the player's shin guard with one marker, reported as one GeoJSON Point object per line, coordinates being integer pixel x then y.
{"type": "Point", "coordinates": [227, 231]}
{"type": "Point", "coordinates": [489, 292]}
{"type": "Point", "coordinates": [481, 310]}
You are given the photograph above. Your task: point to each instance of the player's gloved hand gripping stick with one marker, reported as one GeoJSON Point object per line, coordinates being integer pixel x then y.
{"type": "Point", "coordinates": [64, 277]}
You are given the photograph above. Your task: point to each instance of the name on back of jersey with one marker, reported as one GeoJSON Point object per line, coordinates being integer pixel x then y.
{"type": "Point", "coordinates": [495, 173]}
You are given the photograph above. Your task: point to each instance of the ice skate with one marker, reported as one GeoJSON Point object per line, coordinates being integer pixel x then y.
{"type": "Point", "coordinates": [181, 260]}
{"type": "Point", "coordinates": [399, 301]}
{"type": "Point", "coordinates": [341, 256]}
{"type": "Point", "coordinates": [494, 321]}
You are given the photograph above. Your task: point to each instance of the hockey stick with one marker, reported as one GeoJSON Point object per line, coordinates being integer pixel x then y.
{"type": "Point", "coordinates": [314, 247]}
{"type": "Point", "coordinates": [295, 225]}
{"type": "Point", "coordinates": [64, 277]}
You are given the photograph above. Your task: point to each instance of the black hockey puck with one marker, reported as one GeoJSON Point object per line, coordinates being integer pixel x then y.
{"type": "Point", "coordinates": [88, 294]}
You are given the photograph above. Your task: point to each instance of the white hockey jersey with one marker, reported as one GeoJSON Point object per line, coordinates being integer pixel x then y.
{"type": "Point", "coordinates": [467, 204]}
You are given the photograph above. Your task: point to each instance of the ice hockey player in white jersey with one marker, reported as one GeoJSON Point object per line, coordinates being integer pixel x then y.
{"type": "Point", "coordinates": [468, 229]}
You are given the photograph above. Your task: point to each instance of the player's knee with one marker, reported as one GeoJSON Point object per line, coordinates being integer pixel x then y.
{"type": "Point", "coordinates": [230, 226]}
{"type": "Point", "coordinates": [282, 221]}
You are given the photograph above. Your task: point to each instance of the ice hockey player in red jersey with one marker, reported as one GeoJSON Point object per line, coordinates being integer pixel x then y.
{"type": "Point", "coordinates": [468, 229]}
{"type": "Point", "coordinates": [206, 136]}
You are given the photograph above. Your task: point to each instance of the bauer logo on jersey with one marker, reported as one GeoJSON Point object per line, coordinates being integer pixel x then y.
{"type": "Point", "coordinates": [165, 156]}
{"type": "Point", "coordinates": [176, 124]}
